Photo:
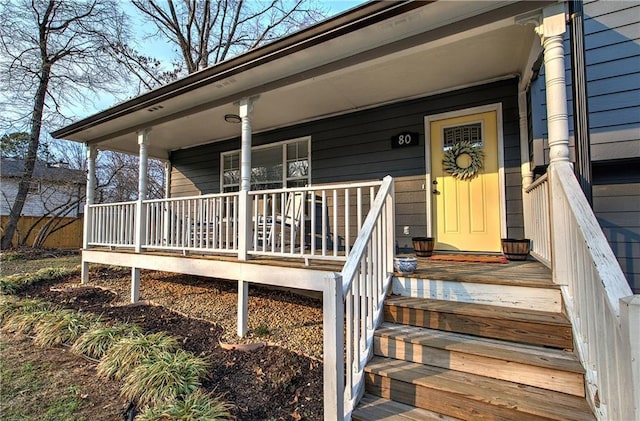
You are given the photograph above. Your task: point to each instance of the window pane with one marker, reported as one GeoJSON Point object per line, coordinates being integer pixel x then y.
{"type": "Point", "coordinates": [231, 177]}
{"type": "Point", "coordinates": [297, 150]}
{"type": "Point", "coordinates": [266, 166]}
{"type": "Point", "coordinates": [299, 168]}
{"type": "Point", "coordinates": [296, 183]}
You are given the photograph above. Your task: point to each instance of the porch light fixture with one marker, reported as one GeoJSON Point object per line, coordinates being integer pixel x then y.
{"type": "Point", "coordinates": [232, 118]}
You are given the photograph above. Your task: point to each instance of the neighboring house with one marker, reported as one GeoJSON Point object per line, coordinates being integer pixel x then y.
{"type": "Point", "coordinates": [54, 192]}
{"type": "Point", "coordinates": [328, 150]}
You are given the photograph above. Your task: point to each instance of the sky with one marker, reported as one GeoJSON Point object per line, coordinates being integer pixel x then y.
{"type": "Point", "coordinates": [164, 51]}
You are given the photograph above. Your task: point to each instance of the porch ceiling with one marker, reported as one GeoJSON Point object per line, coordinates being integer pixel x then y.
{"type": "Point", "coordinates": [436, 47]}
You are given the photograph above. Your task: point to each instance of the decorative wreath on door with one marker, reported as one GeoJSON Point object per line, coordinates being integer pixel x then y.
{"type": "Point", "coordinates": [459, 149]}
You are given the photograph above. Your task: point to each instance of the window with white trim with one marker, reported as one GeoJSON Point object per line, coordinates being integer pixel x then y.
{"type": "Point", "coordinates": [464, 133]}
{"type": "Point", "coordinates": [273, 166]}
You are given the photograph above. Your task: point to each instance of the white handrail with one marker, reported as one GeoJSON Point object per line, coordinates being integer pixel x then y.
{"type": "Point", "coordinates": [365, 280]}
{"type": "Point", "coordinates": [598, 300]}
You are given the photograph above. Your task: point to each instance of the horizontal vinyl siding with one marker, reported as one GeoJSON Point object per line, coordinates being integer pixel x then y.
{"type": "Point", "coordinates": [357, 146]}
{"type": "Point", "coordinates": [612, 54]}
{"type": "Point", "coordinates": [616, 202]}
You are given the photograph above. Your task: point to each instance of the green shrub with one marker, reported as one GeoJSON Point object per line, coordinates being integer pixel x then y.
{"type": "Point", "coordinates": [164, 376]}
{"type": "Point", "coordinates": [197, 406]}
{"type": "Point", "coordinates": [129, 352]}
{"type": "Point", "coordinates": [96, 342]}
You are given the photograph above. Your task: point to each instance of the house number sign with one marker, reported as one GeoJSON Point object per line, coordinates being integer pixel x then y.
{"type": "Point", "coordinates": [404, 139]}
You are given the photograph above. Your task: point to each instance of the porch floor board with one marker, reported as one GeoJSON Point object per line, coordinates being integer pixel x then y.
{"type": "Point", "coordinates": [529, 273]}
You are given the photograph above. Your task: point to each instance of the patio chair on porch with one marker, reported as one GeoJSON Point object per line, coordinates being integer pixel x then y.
{"type": "Point", "coordinates": [270, 228]}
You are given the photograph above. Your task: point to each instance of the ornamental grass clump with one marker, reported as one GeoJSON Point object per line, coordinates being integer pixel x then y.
{"type": "Point", "coordinates": [197, 406]}
{"type": "Point", "coordinates": [13, 283]}
{"type": "Point", "coordinates": [24, 318]}
{"type": "Point", "coordinates": [9, 305]}
{"type": "Point", "coordinates": [164, 376]}
{"type": "Point", "coordinates": [129, 352]}
{"type": "Point", "coordinates": [95, 342]}
{"type": "Point", "coordinates": [62, 326]}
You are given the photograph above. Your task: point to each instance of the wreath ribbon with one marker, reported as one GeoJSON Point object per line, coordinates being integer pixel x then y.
{"type": "Point", "coordinates": [463, 148]}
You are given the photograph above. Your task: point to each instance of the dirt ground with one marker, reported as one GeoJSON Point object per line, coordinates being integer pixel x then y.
{"type": "Point", "coordinates": [70, 385]}
{"type": "Point", "coordinates": [268, 383]}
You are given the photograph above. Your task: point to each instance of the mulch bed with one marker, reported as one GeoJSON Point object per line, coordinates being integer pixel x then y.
{"type": "Point", "coordinates": [269, 383]}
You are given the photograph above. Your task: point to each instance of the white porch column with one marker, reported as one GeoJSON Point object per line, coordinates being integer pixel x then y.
{"type": "Point", "coordinates": [92, 153]}
{"type": "Point", "coordinates": [552, 29]}
{"type": "Point", "coordinates": [143, 141]}
{"type": "Point", "coordinates": [525, 163]}
{"type": "Point", "coordinates": [167, 194]}
{"type": "Point", "coordinates": [244, 210]}
{"type": "Point", "coordinates": [167, 179]}
{"type": "Point", "coordinates": [552, 32]}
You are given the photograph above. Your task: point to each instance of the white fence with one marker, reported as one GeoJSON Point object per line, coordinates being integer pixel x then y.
{"type": "Point", "coordinates": [604, 313]}
{"type": "Point", "coordinates": [536, 203]}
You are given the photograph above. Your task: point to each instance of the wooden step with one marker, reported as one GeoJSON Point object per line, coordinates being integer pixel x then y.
{"type": "Point", "coordinates": [481, 290]}
{"type": "Point", "coordinates": [468, 396]}
{"type": "Point", "coordinates": [375, 408]}
{"type": "Point", "coordinates": [515, 325]}
{"type": "Point", "coordinates": [547, 368]}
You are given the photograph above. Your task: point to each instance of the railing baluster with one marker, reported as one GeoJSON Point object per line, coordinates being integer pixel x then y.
{"type": "Point", "coordinates": [335, 222]}
{"type": "Point", "coordinates": [313, 222]}
{"type": "Point", "coordinates": [324, 222]}
{"type": "Point", "coordinates": [347, 227]}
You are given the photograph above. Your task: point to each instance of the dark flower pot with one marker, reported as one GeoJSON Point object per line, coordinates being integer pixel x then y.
{"type": "Point", "coordinates": [516, 249]}
{"type": "Point", "coordinates": [423, 246]}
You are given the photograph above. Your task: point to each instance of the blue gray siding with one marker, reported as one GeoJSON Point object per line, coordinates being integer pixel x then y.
{"type": "Point", "coordinates": [616, 201]}
{"type": "Point", "coordinates": [612, 56]}
{"type": "Point", "coordinates": [356, 146]}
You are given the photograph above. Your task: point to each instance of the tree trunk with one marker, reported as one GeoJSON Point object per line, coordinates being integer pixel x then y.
{"type": "Point", "coordinates": [30, 160]}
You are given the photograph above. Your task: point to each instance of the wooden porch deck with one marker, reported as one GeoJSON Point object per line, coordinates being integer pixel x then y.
{"type": "Point", "coordinates": [530, 273]}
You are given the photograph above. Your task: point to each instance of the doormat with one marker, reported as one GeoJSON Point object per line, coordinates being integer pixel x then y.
{"type": "Point", "coordinates": [469, 258]}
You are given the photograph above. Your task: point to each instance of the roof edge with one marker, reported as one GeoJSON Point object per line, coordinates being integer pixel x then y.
{"type": "Point", "coordinates": [346, 22]}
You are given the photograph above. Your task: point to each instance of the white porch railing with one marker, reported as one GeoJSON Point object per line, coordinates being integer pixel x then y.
{"type": "Point", "coordinates": [112, 224]}
{"type": "Point", "coordinates": [353, 307]}
{"type": "Point", "coordinates": [604, 313]}
{"type": "Point", "coordinates": [197, 223]}
{"type": "Point", "coordinates": [319, 222]}
{"type": "Point", "coordinates": [536, 203]}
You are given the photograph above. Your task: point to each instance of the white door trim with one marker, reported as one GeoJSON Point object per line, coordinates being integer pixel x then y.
{"type": "Point", "coordinates": [501, 174]}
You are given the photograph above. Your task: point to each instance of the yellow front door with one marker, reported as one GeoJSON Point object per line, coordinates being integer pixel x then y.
{"type": "Point", "coordinates": [465, 203]}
